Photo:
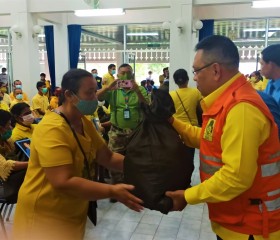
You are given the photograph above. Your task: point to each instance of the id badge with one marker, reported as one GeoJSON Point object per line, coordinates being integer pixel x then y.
{"type": "Point", "coordinates": [126, 113]}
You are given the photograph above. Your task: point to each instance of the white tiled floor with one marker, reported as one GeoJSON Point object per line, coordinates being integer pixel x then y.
{"type": "Point", "coordinates": [117, 222]}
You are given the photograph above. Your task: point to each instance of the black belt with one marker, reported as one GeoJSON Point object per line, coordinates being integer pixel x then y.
{"type": "Point", "coordinates": [117, 128]}
{"type": "Point", "coordinates": [120, 129]}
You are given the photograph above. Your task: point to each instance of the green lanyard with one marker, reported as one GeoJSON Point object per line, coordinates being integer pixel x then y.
{"type": "Point", "coordinates": [126, 98]}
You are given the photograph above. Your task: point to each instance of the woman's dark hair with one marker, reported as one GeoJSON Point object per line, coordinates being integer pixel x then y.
{"type": "Point", "coordinates": [181, 76]}
{"type": "Point", "coordinates": [5, 117]}
{"type": "Point", "coordinates": [72, 81]}
{"type": "Point", "coordinates": [17, 109]}
{"type": "Point", "coordinates": [257, 74]}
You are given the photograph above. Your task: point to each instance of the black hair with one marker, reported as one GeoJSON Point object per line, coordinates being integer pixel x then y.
{"type": "Point", "coordinates": [125, 65]}
{"type": "Point", "coordinates": [111, 66]}
{"type": "Point", "coordinates": [42, 75]}
{"type": "Point", "coordinates": [4, 69]}
{"type": "Point", "coordinates": [71, 81]}
{"type": "Point", "coordinates": [5, 117]}
{"type": "Point", "coordinates": [272, 54]}
{"type": "Point", "coordinates": [17, 109]}
{"type": "Point", "coordinates": [181, 76]}
{"type": "Point", "coordinates": [257, 74]}
{"type": "Point", "coordinates": [16, 81]}
{"type": "Point", "coordinates": [40, 84]}
{"type": "Point", "coordinates": [219, 49]}
{"type": "Point", "coordinates": [94, 69]}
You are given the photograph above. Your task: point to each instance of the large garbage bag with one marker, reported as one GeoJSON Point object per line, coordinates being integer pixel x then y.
{"type": "Point", "coordinates": [156, 159]}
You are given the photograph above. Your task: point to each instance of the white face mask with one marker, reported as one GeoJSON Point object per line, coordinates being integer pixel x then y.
{"type": "Point", "coordinates": [28, 119]}
{"type": "Point", "coordinates": [100, 104]}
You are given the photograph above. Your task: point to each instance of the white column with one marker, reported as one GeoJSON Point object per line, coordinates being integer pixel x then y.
{"type": "Point", "coordinates": [25, 53]}
{"type": "Point", "coordinates": [61, 50]}
{"type": "Point", "coordinates": [181, 39]}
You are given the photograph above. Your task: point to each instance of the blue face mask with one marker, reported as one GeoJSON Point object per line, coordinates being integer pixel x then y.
{"type": "Point", "coordinates": [19, 97]}
{"type": "Point", "coordinates": [94, 75]}
{"type": "Point", "coordinates": [6, 135]}
{"type": "Point", "coordinates": [87, 107]}
{"type": "Point", "coordinates": [18, 87]}
{"type": "Point", "coordinates": [113, 72]}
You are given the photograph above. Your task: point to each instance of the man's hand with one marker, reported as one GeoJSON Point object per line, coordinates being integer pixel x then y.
{"type": "Point", "coordinates": [178, 198]}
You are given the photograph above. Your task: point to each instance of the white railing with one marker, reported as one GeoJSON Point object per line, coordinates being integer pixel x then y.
{"type": "Point", "coordinates": [141, 54]}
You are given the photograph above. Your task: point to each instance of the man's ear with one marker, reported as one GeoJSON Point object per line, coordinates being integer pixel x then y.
{"type": "Point", "coordinates": [217, 71]}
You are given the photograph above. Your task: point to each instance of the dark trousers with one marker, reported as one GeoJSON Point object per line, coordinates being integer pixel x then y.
{"type": "Point", "coordinates": [249, 238]}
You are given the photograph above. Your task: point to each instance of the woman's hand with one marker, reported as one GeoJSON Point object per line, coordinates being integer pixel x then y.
{"type": "Point", "coordinates": [121, 192]}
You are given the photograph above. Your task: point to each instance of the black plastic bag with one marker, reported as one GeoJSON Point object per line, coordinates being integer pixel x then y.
{"type": "Point", "coordinates": [156, 159]}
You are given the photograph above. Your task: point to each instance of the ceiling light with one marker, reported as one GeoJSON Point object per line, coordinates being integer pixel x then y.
{"type": "Point", "coordinates": [99, 12]}
{"type": "Point", "coordinates": [266, 4]}
{"type": "Point", "coordinates": [143, 34]}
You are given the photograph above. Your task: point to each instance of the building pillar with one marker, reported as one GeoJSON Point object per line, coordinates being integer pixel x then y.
{"type": "Point", "coordinates": [61, 50]}
{"type": "Point", "coordinates": [25, 52]}
{"type": "Point", "coordinates": [182, 39]}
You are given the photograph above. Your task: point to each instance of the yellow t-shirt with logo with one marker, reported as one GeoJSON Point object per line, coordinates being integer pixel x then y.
{"type": "Point", "coordinates": [43, 212]}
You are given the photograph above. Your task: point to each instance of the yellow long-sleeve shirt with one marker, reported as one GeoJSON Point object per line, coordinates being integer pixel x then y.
{"type": "Point", "coordinates": [245, 129]}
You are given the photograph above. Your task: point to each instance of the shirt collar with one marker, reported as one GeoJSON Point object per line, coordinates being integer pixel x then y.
{"type": "Point", "coordinates": [207, 102]}
{"type": "Point", "coordinates": [23, 128]}
{"type": "Point", "coordinates": [276, 83]}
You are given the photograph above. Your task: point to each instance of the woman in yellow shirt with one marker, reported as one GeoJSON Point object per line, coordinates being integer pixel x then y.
{"type": "Point", "coordinates": [185, 99]}
{"type": "Point", "coordinates": [24, 121]}
{"type": "Point", "coordinates": [7, 147]}
{"type": "Point", "coordinates": [53, 200]}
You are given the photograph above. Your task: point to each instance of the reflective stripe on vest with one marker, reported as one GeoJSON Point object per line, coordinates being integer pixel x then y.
{"type": "Point", "coordinates": [275, 155]}
{"type": "Point", "coordinates": [272, 193]}
{"type": "Point", "coordinates": [209, 169]}
{"type": "Point", "coordinates": [211, 158]}
{"type": "Point", "coordinates": [270, 169]}
{"type": "Point", "coordinates": [271, 205]}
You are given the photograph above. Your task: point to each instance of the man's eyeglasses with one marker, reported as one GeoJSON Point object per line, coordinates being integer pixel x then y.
{"type": "Point", "coordinates": [195, 72]}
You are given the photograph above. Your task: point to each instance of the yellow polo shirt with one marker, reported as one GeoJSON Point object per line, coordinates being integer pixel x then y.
{"type": "Point", "coordinates": [4, 106]}
{"type": "Point", "coordinates": [40, 102]}
{"type": "Point", "coordinates": [54, 102]}
{"type": "Point", "coordinates": [20, 132]}
{"type": "Point", "coordinates": [190, 97]}
{"type": "Point", "coordinates": [107, 79]}
{"type": "Point", "coordinates": [24, 97]}
{"type": "Point", "coordinates": [245, 129]}
{"type": "Point", "coordinates": [48, 213]}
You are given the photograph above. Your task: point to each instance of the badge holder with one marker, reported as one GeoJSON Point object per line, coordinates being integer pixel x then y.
{"type": "Point", "coordinates": [126, 113]}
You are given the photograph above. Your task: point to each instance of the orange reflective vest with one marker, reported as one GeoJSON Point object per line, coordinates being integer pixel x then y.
{"type": "Point", "coordinates": [257, 210]}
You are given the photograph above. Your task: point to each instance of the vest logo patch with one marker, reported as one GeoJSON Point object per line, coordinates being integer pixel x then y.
{"type": "Point", "coordinates": [208, 132]}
